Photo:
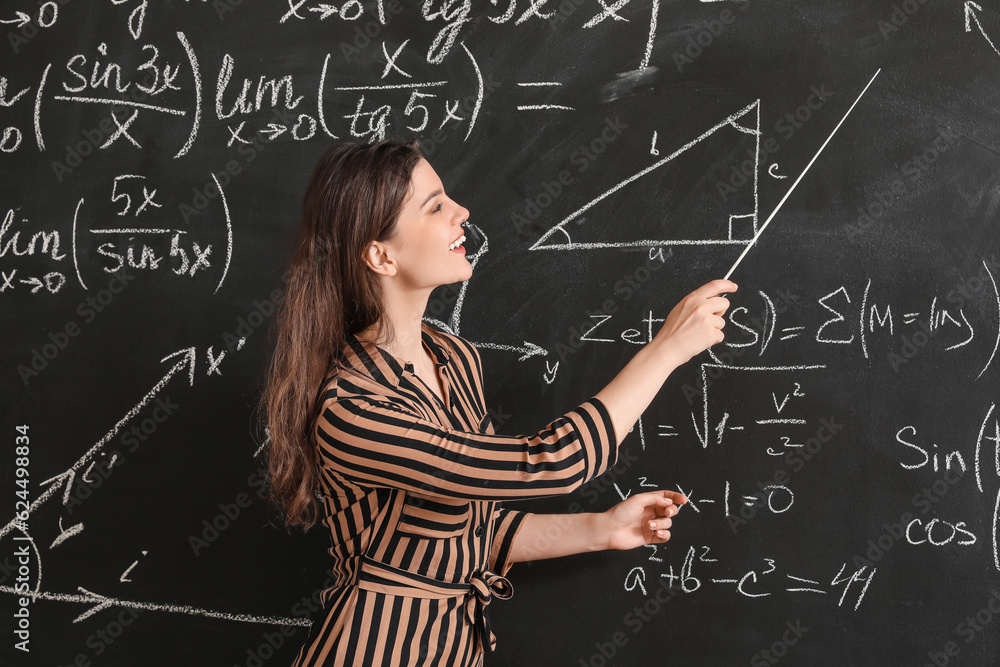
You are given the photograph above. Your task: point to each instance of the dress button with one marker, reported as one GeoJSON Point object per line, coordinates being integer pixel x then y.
{"type": "Point", "coordinates": [479, 531]}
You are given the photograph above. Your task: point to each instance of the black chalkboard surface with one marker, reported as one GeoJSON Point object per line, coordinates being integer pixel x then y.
{"type": "Point", "coordinates": [840, 450]}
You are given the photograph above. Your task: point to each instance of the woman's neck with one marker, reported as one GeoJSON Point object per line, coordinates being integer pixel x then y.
{"type": "Point", "coordinates": [403, 313]}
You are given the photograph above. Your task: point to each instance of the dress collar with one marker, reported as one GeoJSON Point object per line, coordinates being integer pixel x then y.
{"type": "Point", "coordinates": [366, 357]}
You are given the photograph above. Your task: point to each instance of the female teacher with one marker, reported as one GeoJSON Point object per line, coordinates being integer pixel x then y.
{"type": "Point", "coordinates": [378, 424]}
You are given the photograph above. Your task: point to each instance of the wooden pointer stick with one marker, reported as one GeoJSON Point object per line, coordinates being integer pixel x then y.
{"type": "Point", "coordinates": [775, 211]}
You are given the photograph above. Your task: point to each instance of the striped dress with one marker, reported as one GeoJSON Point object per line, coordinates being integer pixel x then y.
{"type": "Point", "coordinates": [412, 490]}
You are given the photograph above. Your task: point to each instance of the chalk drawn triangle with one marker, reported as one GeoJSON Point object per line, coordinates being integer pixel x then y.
{"type": "Point", "coordinates": [703, 193]}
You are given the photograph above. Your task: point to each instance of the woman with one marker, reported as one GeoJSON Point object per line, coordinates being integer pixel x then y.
{"type": "Point", "coordinates": [383, 416]}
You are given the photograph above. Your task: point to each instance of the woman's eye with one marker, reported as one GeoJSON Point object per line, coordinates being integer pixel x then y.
{"type": "Point", "coordinates": [438, 207]}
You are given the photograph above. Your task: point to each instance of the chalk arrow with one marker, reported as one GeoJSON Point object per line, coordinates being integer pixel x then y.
{"type": "Point", "coordinates": [189, 358]}
{"type": "Point", "coordinates": [63, 478]}
{"type": "Point", "coordinates": [531, 350]}
{"type": "Point", "coordinates": [33, 281]}
{"type": "Point", "coordinates": [274, 131]}
{"type": "Point", "coordinates": [100, 601]}
{"type": "Point", "coordinates": [21, 20]}
{"type": "Point", "coordinates": [970, 16]}
{"type": "Point", "coordinates": [325, 9]}
{"type": "Point", "coordinates": [528, 350]}
{"type": "Point", "coordinates": [66, 478]}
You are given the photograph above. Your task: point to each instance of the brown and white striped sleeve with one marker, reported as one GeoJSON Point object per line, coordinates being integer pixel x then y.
{"type": "Point", "coordinates": [506, 524]}
{"type": "Point", "coordinates": [378, 443]}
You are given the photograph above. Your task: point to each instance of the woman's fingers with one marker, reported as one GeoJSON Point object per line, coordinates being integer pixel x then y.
{"type": "Point", "coordinates": [674, 496]}
{"type": "Point", "coordinates": [665, 498]}
{"type": "Point", "coordinates": [661, 534]}
{"type": "Point", "coordinates": [670, 502]}
{"type": "Point", "coordinates": [715, 288]}
{"type": "Point", "coordinates": [660, 524]}
{"type": "Point", "coordinates": [718, 304]}
{"type": "Point", "coordinates": [696, 323]}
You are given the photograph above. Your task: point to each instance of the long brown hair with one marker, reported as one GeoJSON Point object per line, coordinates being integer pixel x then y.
{"type": "Point", "coordinates": [354, 197]}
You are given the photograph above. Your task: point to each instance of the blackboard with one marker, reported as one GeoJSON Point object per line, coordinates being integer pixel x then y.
{"type": "Point", "coordinates": [840, 449]}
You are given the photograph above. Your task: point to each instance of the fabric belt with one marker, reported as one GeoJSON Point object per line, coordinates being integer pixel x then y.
{"type": "Point", "coordinates": [483, 586]}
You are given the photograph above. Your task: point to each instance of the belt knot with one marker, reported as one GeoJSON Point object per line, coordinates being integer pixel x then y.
{"type": "Point", "coordinates": [483, 587]}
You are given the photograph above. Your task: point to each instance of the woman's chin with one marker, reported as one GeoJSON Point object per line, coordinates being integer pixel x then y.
{"type": "Point", "coordinates": [462, 276]}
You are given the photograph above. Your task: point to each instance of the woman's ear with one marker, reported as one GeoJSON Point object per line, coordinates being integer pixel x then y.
{"type": "Point", "coordinates": [378, 259]}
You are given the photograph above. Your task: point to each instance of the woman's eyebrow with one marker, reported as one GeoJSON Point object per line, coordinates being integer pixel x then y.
{"type": "Point", "coordinates": [431, 196]}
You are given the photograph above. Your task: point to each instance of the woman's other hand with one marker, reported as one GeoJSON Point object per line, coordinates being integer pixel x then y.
{"type": "Point", "coordinates": [695, 324]}
{"type": "Point", "coordinates": [644, 518]}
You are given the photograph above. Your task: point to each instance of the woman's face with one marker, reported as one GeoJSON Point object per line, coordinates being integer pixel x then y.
{"type": "Point", "coordinates": [429, 223]}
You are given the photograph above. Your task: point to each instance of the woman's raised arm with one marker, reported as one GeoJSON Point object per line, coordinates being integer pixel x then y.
{"type": "Point", "coordinates": [377, 443]}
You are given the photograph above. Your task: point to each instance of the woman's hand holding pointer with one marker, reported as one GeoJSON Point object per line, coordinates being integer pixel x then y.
{"type": "Point", "coordinates": [695, 324]}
